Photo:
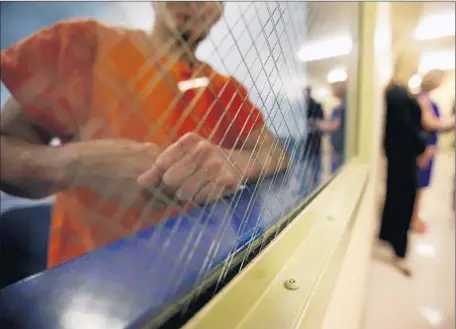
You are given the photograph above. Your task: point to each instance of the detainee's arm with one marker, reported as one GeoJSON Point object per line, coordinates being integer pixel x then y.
{"type": "Point", "coordinates": [29, 119]}
{"type": "Point", "coordinates": [262, 154]}
{"type": "Point", "coordinates": [30, 168]}
{"type": "Point", "coordinates": [194, 168]}
{"type": "Point", "coordinates": [258, 152]}
{"type": "Point", "coordinates": [36, 72]}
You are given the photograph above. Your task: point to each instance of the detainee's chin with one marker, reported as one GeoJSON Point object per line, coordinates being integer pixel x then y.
{"type": "Point", "coordinates": [186, 36]}
{"type": "Point", "coordinates": [190, 39]}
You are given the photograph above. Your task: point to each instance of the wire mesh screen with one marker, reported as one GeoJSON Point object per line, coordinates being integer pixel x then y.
{"type": "Point", "coordinates": [184, 146]}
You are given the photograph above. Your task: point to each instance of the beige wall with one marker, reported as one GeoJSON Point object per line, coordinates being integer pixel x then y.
{"type": "Point", "coordinates": [347, 305]}
{"type": "Point", "coordinates": [404, 19]}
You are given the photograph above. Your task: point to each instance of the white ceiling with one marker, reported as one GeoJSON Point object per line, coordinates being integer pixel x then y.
{"type": "Point", "coordinates": [331, 19]}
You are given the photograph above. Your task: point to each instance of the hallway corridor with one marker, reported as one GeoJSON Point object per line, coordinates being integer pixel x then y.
{"type": "Point", "coordinates": [426, 300]}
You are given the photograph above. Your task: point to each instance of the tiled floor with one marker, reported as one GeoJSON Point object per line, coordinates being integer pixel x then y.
{"type": "Point", "coordinates": [426, 300]}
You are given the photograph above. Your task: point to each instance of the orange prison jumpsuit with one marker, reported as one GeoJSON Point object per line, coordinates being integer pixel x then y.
{"type": "Point", "coordinates": [82, 77]}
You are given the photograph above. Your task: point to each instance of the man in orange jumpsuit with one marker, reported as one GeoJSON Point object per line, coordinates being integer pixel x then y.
{"type": "Point", "coordinates": [147, 129]}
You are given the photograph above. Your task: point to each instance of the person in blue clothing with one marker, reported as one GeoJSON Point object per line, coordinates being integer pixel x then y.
{"type": "Point", "coordinates": [337, 132]}
{"type": "Point", "coordinates": [433, 124]}
{"type": "Point", "coordinates": [335, 126]}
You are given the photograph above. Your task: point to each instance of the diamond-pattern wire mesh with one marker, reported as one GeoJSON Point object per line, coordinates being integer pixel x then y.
{"type": "Point", "coordinates": [254, 42]}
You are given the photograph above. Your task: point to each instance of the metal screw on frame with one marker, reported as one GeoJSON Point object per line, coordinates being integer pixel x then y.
{"type": "Point", "coordinates": [291, 284]}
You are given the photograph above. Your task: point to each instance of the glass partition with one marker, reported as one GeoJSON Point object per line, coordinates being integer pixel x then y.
{"type": "Point", "coordinates": [174, 141]}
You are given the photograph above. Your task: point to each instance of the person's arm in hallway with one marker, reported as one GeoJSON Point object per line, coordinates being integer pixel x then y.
{"type": "Point", "coordinates": [424, 158]}
{"type": "Point", "coordinates": [330, 125]}
{"type": "Point", "coordinates": [429, 120]}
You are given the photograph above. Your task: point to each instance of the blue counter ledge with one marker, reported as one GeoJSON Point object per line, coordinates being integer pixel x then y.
{"type": "Point", "coordinates": [132, 281]}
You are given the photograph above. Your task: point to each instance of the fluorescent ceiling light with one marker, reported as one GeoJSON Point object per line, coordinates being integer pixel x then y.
{"type": "Point", "coordinates": [436, 26]}
{"type": "Point", "coordinates": [433, 316]}
{"type": "Point", "coordinates": [322, 92]}
{"type": "Point", "coordinates": [415, 82]}
{"type": "Point", "coordinates": [328, 48]}
{"type": "Point", "coordinates": [192, 84]}
{"type": "Point", "coordinates": [337, 75]}
{"type": "Point", "coordinates": [438, 60]}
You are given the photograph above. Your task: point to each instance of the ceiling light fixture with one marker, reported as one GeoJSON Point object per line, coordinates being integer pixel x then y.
{"type": "Point", "coordinates": [322, 93]}
{"type": "Point", "coordinates": [337, 75]}
{"type": "Point", "coordinates": [328, 48]}
{"type": "Point", "coordinates": [439, 60]}
{"type": "Point", "coordinates": [415, 82]}
{"type": "Point", "coordinates": [436, 26]}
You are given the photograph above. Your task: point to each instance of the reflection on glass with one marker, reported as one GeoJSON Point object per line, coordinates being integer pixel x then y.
{"type": "Point", "coordinates": [174, 144]}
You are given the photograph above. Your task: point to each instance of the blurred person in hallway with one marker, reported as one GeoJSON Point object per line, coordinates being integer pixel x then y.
{"type": "Point", "coordinates": [405, 147]}
{"type": "Point", "coordinates": [337, 126]}
{"type": "Point", "coordinates": [312, 148]}
{"type": "Point", "coordinates": [433, 124]}
{"type": "Point", "coordinates": [138, 146]}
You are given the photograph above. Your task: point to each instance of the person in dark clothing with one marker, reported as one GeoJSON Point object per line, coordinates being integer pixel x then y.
{"type": "Point", "coordinates": [312, 148]}
{"type": "Point", "coordinates": [405, 147]}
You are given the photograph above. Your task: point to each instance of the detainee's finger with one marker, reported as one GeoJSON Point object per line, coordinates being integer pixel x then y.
{"type": "Point", "coordinates": [165, 159]}
{"type": "Point", "coordinates": [210, 192]}
{"type": "Point", "coordinates": [193, 184]}
{"type": "Point", "coordinates": [174, 177]}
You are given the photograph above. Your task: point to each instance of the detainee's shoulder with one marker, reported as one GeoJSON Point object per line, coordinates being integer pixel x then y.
{"type": "Point", "coordinates": [92, 30]}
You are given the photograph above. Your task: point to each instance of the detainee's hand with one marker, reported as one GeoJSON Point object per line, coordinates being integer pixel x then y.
{"type": "Point", "coordinates": [193, 169]}
{"type": "Point", "coordinates": [111, 168]}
